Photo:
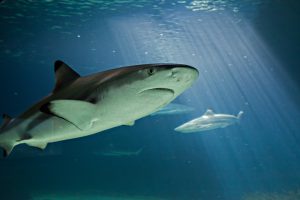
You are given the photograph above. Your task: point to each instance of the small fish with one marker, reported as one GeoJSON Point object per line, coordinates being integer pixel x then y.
{"type": "Point", "coordinates": [209, 121]}
{"type": "Point", "coordinates": [173, 109]}
{"type": "Point", "coordinates": [81, 106]}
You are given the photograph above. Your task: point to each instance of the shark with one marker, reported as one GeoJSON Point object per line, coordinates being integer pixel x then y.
{"type": "Point", "coordinates": [209, 121]}
{"type": "Point", "coordinates": [80, 106]}
{"type": "Point", "coordinates": [173, 109]}
{"type": "Point", "coordinates": [119, 153]}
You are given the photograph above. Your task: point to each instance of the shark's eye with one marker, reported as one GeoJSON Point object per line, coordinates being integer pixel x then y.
{"type": "Point", "coordinates": [151, 71]}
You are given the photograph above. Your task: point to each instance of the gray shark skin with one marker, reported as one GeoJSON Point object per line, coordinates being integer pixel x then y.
{"type": "Point", "coordinates": [173, 109]}
{"type": "Point", "coordinates": [81, 106]}
{"type": "Point", "coordinates": [209, 121]}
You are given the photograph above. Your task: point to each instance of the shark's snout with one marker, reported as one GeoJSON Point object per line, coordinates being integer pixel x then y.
{"type": "Point", "coordinates": [181, 128]}
{"type": "Point", "coordinates": [179, 77]}
{"type": "Point", "coordinates": [183, 74]}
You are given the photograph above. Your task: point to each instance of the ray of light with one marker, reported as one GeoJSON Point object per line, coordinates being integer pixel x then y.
{"type": "Point", "coordinates": [237, 72]}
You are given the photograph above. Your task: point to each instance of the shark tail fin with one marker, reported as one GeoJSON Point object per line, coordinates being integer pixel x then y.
{"type": "Point", "coordinates": [139, 151]}
{"type": "Point", "coordinates": [7, 148]}
{"type": "Point", "coordinates": [239, 115]}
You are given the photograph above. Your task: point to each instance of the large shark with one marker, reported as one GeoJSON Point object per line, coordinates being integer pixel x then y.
{"type": "Point", "coordinates": [80, 106]}
{"type": "Point", "coordinates": [209, 121]}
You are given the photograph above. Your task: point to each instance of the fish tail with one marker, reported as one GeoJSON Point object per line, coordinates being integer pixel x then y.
{"type": "Point", "coordinates": [139, 151]}
{"type": "Point", "coordinates": [7, 147]}
{"type": "Point", "coordinates": [239, 115]}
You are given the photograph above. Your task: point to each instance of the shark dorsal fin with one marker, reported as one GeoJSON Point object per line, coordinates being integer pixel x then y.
{"type": "Point", "coordinates": [64, 75]}
{"type": "Point", "coordinates": [5, 121]}
{"type": "Point", "coordinates": [209, 112]}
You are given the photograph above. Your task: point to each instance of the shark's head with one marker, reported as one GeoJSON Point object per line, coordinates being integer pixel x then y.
{"type": "Point", "coordinates": [170, 77]}
{"type": "Point", "coordinates": [162, 81]}
{"type": "Point", "coordinates": [149, 87]}
{"type": "Point", "coordinates": [185, 128]}
{"type": "Point", "coordinates": [174, 78]}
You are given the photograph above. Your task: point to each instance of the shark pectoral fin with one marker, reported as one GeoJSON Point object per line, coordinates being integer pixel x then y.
{"type": "Point", "coordinates": [130, 123]}
{"type": "Point", "coordinates": [64, 75]}
{"type": "Point", "coordinates": [40, 145]}
{"type": "Point", "coordinates": [79, 113]}
{"type": "Point", "coordinates": [6, 120]}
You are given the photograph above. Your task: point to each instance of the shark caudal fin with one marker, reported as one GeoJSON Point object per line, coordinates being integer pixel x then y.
{"type": "Point", "coordinates": [239, 115]}
{"type": "Point", "coordinates": [7, 148]}
{"type": "Point", "coordinates": [139, 151]}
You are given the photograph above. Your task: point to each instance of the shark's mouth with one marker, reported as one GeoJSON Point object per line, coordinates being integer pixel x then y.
{"type": "Point", "coordinates": [158, 90]}
{"type": "Point", "coordinates": [159, 95]}
{"type": "Point", "coordinates": [156, 98]}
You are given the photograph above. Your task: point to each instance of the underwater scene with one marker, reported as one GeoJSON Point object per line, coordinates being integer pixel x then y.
{"type": "Point", "coordinates": [150, 100]}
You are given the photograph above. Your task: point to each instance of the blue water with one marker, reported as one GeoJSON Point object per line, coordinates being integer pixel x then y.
{"type": "Point", "coordinates": [247, 55]}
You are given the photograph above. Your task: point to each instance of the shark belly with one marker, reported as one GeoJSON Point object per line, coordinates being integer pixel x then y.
{"type": "Point", "coordinates": [120, 106]}
{"type": "Point", "coordinates": [40, 133]}
{"type": "Point", "coordinates": [110, 112]}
